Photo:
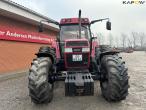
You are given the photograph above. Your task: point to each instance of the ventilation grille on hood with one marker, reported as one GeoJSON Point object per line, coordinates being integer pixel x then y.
{"type": "Point", "coordinates": [76, 43]}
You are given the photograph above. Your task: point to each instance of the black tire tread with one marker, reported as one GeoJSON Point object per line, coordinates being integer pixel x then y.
{"type": "Point", "coordinates": [40, 90]}
{"type": "Point", "coordinates": [117, 87]}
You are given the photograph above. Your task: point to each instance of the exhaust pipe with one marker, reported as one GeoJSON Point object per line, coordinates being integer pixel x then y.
{"type": "Point", "coordinates": [79, 24]}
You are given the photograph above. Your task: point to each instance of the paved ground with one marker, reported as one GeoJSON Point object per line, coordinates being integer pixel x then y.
{"type": "Point", "coordinates": [14, 92]}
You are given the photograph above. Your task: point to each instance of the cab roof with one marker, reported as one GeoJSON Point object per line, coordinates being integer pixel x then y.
{"type": "Point", "coordinates": [65, 21]}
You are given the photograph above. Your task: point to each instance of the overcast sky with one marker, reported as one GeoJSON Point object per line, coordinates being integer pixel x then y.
{"type": "Point", "coordinates": [124, 17]}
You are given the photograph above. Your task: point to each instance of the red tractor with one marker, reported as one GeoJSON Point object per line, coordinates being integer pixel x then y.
{"type": "Point", "coordinates": [77, 59]}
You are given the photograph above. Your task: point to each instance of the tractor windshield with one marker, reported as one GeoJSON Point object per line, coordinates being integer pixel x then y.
{"type": "Point", "coordinates": [72, 32]}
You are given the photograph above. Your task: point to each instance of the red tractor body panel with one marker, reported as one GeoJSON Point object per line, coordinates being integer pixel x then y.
{"type": "Point", "coordinates": [94, 45]}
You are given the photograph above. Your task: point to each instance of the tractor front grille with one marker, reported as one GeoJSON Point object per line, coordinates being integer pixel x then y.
{"type": "Point", "coordinates": [77, 64]}
{"type": "Point", "coordinates": [76, 43]}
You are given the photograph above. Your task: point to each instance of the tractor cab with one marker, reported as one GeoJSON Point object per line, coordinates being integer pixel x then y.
{"type": "Point", "coordinates": [74, 37]}
{"type": "Point", "coordinates": [69, 29]}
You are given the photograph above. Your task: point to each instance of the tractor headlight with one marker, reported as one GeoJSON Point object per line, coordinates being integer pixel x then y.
{"type": "Point", "coordinates": [68, 50]}
{"type": "Point", "coordinates": [85, 49]}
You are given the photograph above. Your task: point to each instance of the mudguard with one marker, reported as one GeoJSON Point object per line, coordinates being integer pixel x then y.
{"type": "Point", "coordinates": [100, 53]}
{"type": "Point", "coordinates": [46, 51]}
{"type": "Point", "coordinates": [110, 52]}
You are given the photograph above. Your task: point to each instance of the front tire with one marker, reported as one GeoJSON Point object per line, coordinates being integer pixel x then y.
{"type": "Point", "coordinates": [114, 85]}
{"type": "Point", "coordinates": [40, 90]}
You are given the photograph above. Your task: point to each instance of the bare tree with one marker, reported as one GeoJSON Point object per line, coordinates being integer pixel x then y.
{"type": "Point", "coordinates": [100, 38]}
{"type": "Point", "coordinates": [142, 36]}
{"type": "Point", "coordinates": [123, 39]}
{"type": "Point", "coordinates": [117, 41]}
{"type": "Point", "coordinates": [134, 35]}
{"type": "Point", "coordinates": [129, 43]}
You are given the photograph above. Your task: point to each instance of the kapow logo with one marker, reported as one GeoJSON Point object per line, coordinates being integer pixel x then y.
{"type": "Point", "coordinates": [134, 2]}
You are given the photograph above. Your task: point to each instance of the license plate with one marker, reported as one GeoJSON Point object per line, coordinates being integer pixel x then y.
{"type": "Point", "coordinates": [76, 57]}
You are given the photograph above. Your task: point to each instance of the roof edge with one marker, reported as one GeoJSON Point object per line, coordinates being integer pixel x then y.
{"type": "Point", "coordinates": [27, 9]}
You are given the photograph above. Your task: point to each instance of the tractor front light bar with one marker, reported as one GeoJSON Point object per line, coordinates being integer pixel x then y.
{"type": "Point", "coordinates": [68, 50]}
{"type": "Point", "coordinates": [85, 49]}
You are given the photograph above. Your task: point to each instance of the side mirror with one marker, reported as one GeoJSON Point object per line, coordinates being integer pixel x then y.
{"type": "Point", "coordinates": [40, 27]}
{"type": "Point", "coordinates": [108, 25]}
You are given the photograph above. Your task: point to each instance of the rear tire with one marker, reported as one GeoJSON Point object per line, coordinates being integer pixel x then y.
{"type": "Point", "coordinates": [114, 85]}
{"type": "Point", "coordinates": [40, 90]}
